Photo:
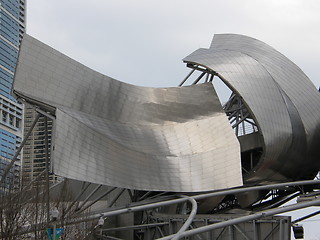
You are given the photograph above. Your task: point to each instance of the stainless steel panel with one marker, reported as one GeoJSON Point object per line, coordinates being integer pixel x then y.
{"type": "Point", "coordinates": [281, 98]}
{"type": "Point", "coordinates": [117, 134]}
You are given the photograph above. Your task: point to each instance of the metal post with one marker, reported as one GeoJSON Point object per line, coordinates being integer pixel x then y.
{"type": "Point", "coordinates": [255, 230]}
{"type": "Point", "coordinates": [286, 230]}
{"type": "Point", "coordinates": [209, 233]}
{"type": "Point", "coordinates": [54, 230]}
{"type": "Point", "coordinates": [281, 229]}
{"type": "Point", "coordinates": [54, 215]}
{"type": "Point", "coordinates": [231, 235]}
{"type": "Point", "coordinates": [47, 165]}
{"type": "Point", "coordinates": [211, 77]}
{"type": "Point", "coordinates": [170, 227]}
{"type": "Point", "coordinates": [207, 77]}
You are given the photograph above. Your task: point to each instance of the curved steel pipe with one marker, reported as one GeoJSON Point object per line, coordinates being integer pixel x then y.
{"type": "Point", "coordinates": [186, 225]}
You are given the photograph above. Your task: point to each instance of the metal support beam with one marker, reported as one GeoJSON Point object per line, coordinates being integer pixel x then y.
{"type": "Point", "coordinates": [160, 231]}
{"type": "Point", "coordinates": [137, 207]}
{"type": "Point", "coordinates": [89, 196]}
{"type": "Point", "coordinates": [116, 198]}
{"type": "Point", "coordinates": [19, 149]}
{"type": "Point", "coordinates": [243, 118]}
{"type": "Point", "coordinates": [111, 238]}
{"type": "Point", "coordinates": [158, 195]}
{"type": "Point", "coordinates": [46, 145]}
{"type": "Point", "coordinates": [231, 232]}
{"type": "Point", "coordinates": [240, 230]}
{"type": "Point", "coordinates": [199, 237]}
{"type": "Point", "coordinates": [207, 78]}
{"type": "Point", "coordinates": [98, 199]}
{"type": "Point", "coordinates": [271, 232]}
{"type": "Point", "coordinates": [186, 78]}
{"type": "Point", "coordinates": [252, 217]}
{"type": "Point", "coordinates": [211, 78]}
{"type": "Point", "coordinates": [25, 188]}
{"type": "Point", "coordinates": [39, 194]}
{"type": "Point", "coordinates": [199, 78]}
{"type": "Point", "coordinates": [145, 195]}
{"type": "Point", "coordinates": [130, 195]}
{"type": "Point", "coordinates": [222, 231]}
{"type": "Point", "coordinates": [38, 110]}
{"type": "Point", "coordinates": [281, 232]}
{"type": "Point", "coordinates": [149, 225]}
{"type": "Point", "coordinates": [84, 188]}
{"type": "Point", "coordinates": [306, 217]}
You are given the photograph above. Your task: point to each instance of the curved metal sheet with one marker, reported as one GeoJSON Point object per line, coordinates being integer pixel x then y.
{"type": "Point", "coordinates": [283, 101]}
{"type": "Point", "coordinates": [113, 133]}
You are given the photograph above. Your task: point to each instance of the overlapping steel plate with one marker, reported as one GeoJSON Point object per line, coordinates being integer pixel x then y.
{"type": "Point", "coordinates": [283, 101]}
{"type": "Point", "coordinates": [117, 134]}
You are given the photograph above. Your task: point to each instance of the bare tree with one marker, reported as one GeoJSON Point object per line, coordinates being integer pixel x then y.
{"type": "Point", "coordinates": [29, 209]}
{"type": "Point", "coordinates": [14, 214]}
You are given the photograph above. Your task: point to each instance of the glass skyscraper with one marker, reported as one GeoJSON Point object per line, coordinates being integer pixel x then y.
{"type": "Point", "coordinates": [12, 27]}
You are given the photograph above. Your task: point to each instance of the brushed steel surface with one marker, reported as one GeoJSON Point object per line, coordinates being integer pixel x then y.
{"type": "Point", "coordinates": [113, 133]}
{"type": "Point", "coordinates": [283, 101]}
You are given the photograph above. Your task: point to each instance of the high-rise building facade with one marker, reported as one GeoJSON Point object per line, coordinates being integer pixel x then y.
{"type": "Point", "coordinates": [35, 151]}
{"type": "Point", "coordinates": [12, 27]}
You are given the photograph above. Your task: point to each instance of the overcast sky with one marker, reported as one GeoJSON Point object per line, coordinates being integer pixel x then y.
{"type": "Point", "coordinates": [142, 42]}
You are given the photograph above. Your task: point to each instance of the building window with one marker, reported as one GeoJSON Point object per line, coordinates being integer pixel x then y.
{"type": "Point", "coordinates": [11, 120]}
{"type": "Point", "coordinates": [17, 123]}
{"type": "Point", "coordinates": [4, 116]}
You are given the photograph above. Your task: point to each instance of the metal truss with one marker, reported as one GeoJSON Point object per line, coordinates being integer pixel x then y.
{"type": "Point", "coordinates": [150, 204]}
{"type": "Point", "coordinates": [278, 228]}
{"type": "Point", "coordinates": [166, 226]}
{"type": "Point", "coordinates": [229, 202]}
{"type": "Point", "coordinates": [239, 117]}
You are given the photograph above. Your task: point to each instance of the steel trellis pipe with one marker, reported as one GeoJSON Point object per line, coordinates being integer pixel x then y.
{"type": "Point", "coordinates": [251, 217]}
{"type": "Point", "coordinates": [131, 209]}
{"type": "Point", "coordinates": [190, 218]}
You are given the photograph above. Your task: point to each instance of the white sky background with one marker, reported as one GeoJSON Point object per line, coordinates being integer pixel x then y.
{"type": "Point", "coordinates": [142, 42]}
